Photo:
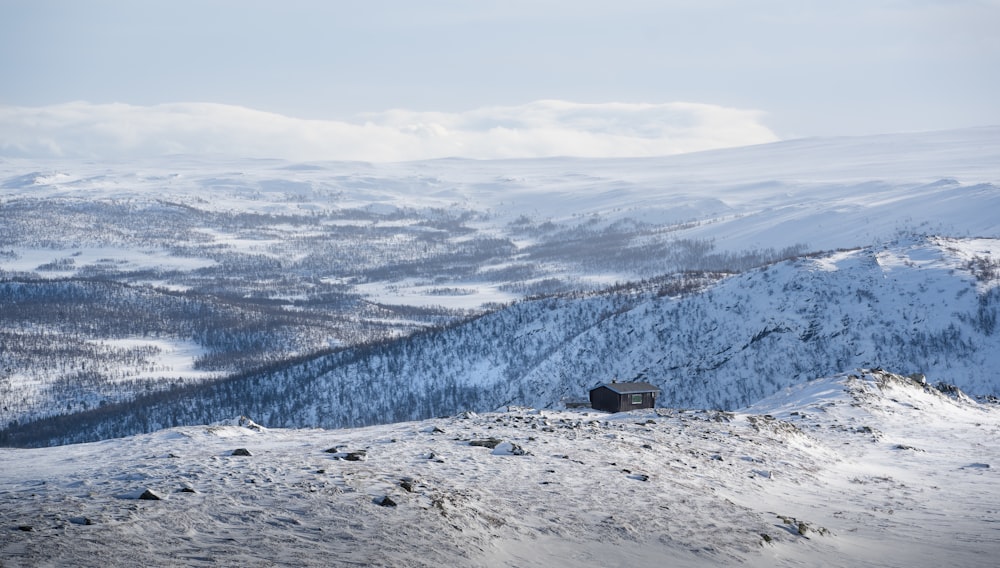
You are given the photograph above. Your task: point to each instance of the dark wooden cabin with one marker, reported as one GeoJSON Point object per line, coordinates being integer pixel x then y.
{"type": "Point", "coordinates": [620, 397]}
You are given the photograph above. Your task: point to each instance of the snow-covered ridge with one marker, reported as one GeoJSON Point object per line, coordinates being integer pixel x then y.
{"type": "Point", "coordinates": [923, 305]}
{"type": "Point", "coordinates": [858, 469]}
{"type": "Point", "coordinates": [920, 306]}
{"type": "Point", "coordinates": [769, 195]}
{"type": "Point", "coordinates": [256, 264]}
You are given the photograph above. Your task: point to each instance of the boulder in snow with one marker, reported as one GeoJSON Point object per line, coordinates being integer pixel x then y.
{"type": "Point", "coordinates": [148, 495]}
{"type": "Point", "coordinates": [384, 501]}
{"type": "Point", "coordinates": [509, 449]}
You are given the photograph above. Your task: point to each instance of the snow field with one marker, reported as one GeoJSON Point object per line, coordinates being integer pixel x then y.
{"type": "Point", "coordinates": [814, 476]}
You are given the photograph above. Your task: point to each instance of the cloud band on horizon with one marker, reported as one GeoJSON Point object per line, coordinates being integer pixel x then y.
{"type": "Point", "coordinates": [538, 129]}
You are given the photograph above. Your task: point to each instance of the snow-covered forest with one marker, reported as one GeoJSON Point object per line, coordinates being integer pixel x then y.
{"type": "Point", "coordinates": [142, 295]}
{"type": "Point", "coordinates": [456, 311]}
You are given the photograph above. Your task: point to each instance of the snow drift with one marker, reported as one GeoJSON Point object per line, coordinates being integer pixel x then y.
{"type": "Point", "coordinates": [860, 469]}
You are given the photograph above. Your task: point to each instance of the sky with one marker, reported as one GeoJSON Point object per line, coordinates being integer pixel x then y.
{"type": "Point", "coordinates": [396, 79]}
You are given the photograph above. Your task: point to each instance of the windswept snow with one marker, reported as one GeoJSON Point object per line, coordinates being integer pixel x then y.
{"type": "Point", "coordinates": [863, 469]}
{"type": "Point", "coordinates": [858, 469]}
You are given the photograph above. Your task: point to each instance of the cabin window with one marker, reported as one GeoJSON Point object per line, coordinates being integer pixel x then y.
{"type": "Point", "coordinates": [636, 399]}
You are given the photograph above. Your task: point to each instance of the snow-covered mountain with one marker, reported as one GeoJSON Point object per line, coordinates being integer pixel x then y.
{"type": "Point", "coordinates": [148, 294]}
{"type": "Point", "coordinates": [159, 296]}
{"type": "Point", "coordinates": [123, 279]}
{"type": "Point", "coordinates": [854, 470]}
{"type": "Point", "coordinates": [924, 305]}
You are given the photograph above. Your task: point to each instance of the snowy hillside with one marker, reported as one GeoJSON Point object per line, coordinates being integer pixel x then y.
{"type": "Point", "coordinates": [925, 306]}
{"type": "Point", "coordinates": [855, 470]}
{"type": "Point", "coordinates": [921, 306]}
{"type": "Point", "coordinates": [157, 279]}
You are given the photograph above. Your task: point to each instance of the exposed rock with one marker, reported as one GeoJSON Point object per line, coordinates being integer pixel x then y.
{"type": "Point", "coordinates": [355, 455]}
{"type": "Point", "coordinates": [241, 452]}
{"type": "Point", "coordinates": [952, 391]}
{"type": "Point", "coordinates": [148, 495]}
{"type": "Point", "coordinates": [486, 443]}
{"type": "Point", "coordinates": [247, 423]}
{"type": "Point", "coordinates": [800, 528]}
{"type": "Point", "coordinates": [509, 449]}
{"type": "Point", "coordinates": [384, 501]}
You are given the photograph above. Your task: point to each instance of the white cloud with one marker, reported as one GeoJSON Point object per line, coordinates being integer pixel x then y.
{"type": "Point", "coordinates": [538, 129]}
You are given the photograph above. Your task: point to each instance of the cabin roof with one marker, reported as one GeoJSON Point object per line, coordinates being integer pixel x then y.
{"type": "Point", "coordinates": [629, 388]}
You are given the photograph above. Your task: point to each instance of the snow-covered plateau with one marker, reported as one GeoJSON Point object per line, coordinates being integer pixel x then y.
{"type": "Point", "coordinates": [860, 469]}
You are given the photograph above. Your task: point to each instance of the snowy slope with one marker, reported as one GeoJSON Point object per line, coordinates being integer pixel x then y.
{"type": "Point", "coordinates": [919, 306]}
{"type": "Point", "coordinates": [922, 305]}
{"type": "Point", "coordinates": [865, 469]}
{"type": "Point", "coordinates": [323, 255]}
{"type": "Point", "coordinates": [915, 306]}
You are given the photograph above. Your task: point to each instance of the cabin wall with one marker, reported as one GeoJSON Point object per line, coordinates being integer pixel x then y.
{"type": "Point", "coordinates": [648, 401]}
{"type": "Point", "coordinates": [604, 399]}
